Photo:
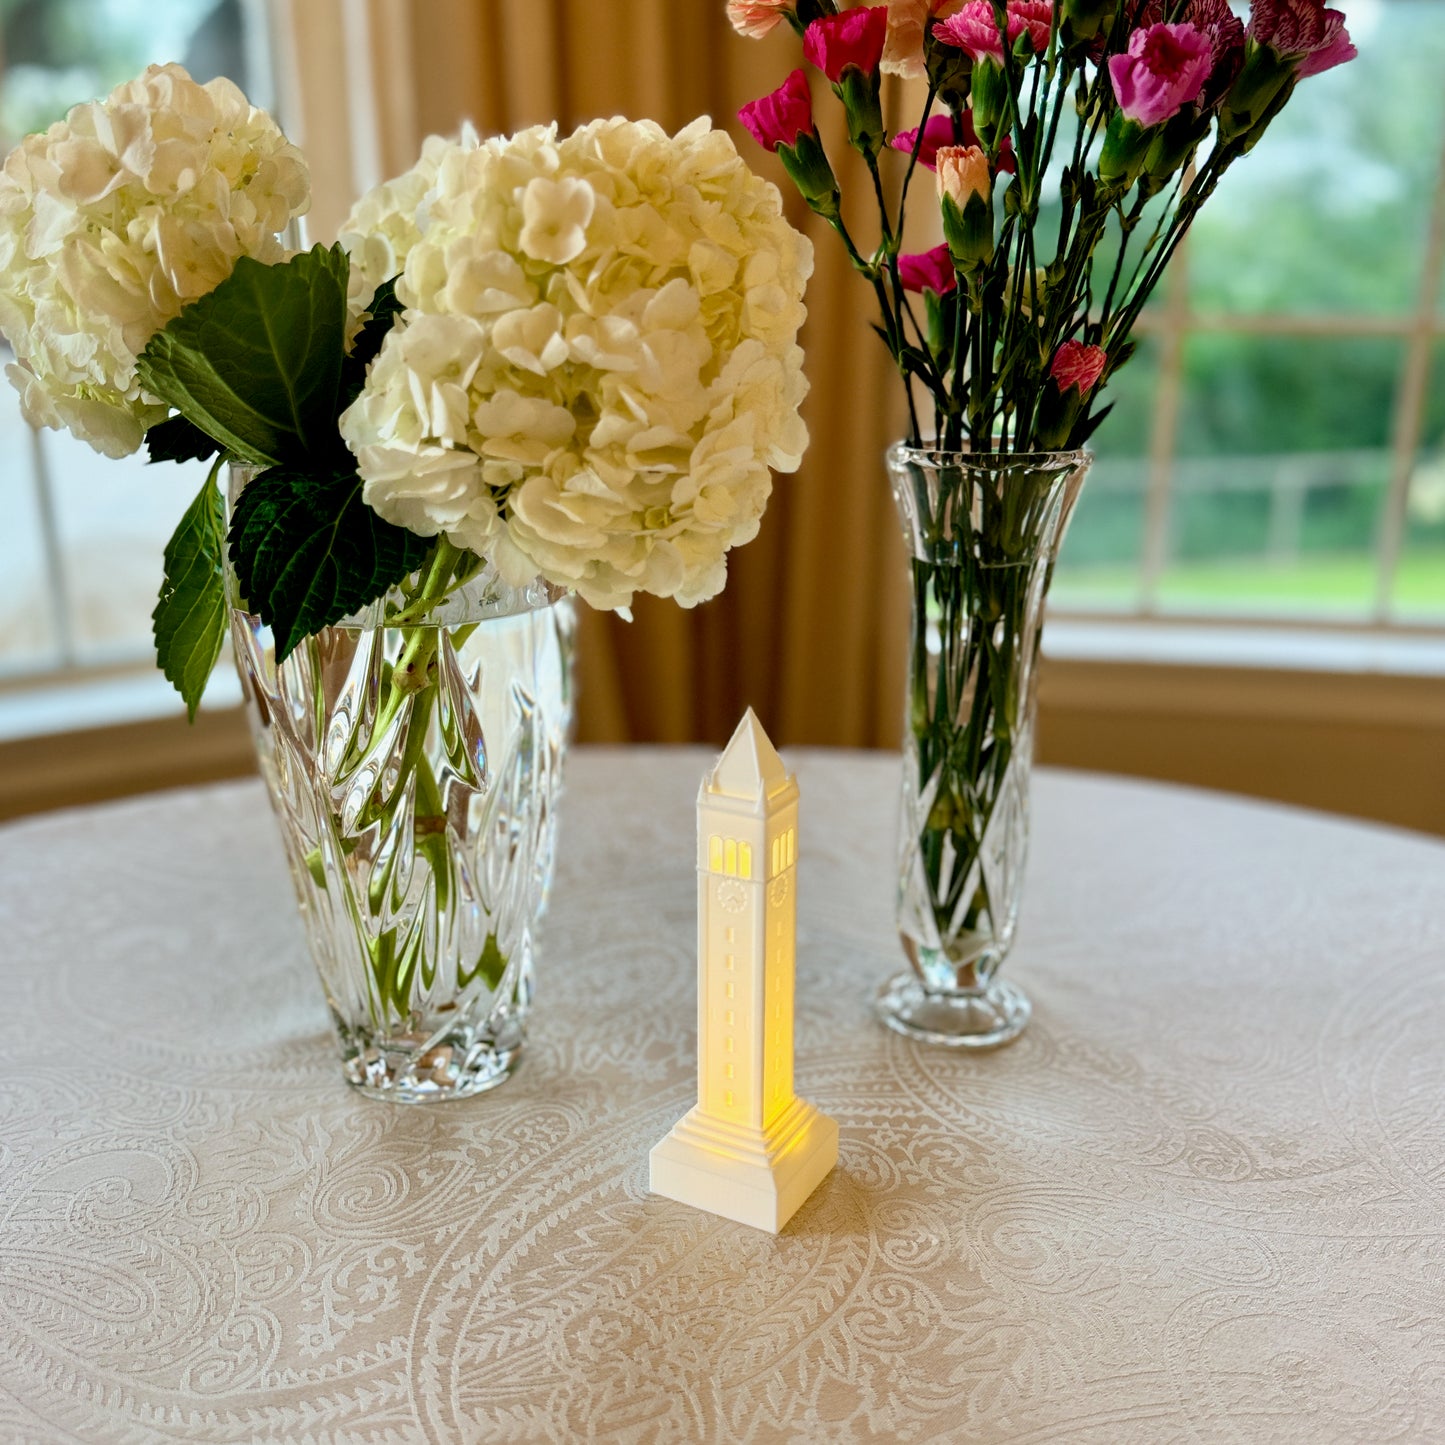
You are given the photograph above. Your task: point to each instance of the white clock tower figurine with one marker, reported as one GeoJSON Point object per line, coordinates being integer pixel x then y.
{"type": "Point", "coordinates": [751, 1150]}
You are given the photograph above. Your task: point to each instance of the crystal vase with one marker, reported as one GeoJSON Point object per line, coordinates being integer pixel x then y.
{"type": "Point", "coordinates": [982, 533]}
{"type": "Point", "coordinates": [415, 772]}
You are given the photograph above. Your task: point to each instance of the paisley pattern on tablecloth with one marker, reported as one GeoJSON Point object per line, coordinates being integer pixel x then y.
{"type": "Point", "coordinates": [1202, 1199]}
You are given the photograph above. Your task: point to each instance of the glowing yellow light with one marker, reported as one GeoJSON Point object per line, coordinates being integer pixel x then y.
{"type": "Point", "coordinates": [750, 1150]}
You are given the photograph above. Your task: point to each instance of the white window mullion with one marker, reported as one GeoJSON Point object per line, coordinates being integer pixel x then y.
{"type": "Point", "coordinates": [57, 589]}
{"type": "Point", "coordinates": [1410, 406]}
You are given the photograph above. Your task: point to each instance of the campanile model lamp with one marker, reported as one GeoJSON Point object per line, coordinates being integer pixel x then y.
{"type": "Point", "coordinates": [750, 1150]}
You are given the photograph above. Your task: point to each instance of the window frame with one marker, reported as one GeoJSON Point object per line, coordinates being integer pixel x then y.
{"type": "Point", "coordinates": [1172, 324]}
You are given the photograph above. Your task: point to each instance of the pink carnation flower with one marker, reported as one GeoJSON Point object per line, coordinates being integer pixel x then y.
{"type": "Point", "coordinates": [975, 30]}
{"type": "Point", "coordinates": [907, 21]}
{"type": "Point", "coordinates": [780, 118]}
{"type": "Point", "coordinates": [1163, 70]}
{"type": "Point", "coordinates": [1303, 30]}
{"type": "Point", "coordinates": [932, 270]}
{"type": "Point", "coordinates": [855, 37]}
{"type": "Point", "coordinates": [755, 18]}
{"type": "Point", "coordinates": [1226, 38]}
{"type": "Point", "coordinates": [1076, 364]}
{"type": "Point", "coordinates": [939, 132]}
{"type": "Point", "coordinates": [1333, 50]}
{"type": "Point", "coordinates": [1038, 19]}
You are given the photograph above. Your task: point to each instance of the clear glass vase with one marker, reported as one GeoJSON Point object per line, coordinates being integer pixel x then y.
{"type": "Point", "coordinates": [415, 772]}
{"type": "Point", "coordinates": [982, 533]}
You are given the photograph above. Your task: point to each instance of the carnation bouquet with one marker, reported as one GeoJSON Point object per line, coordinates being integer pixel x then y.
{"type": "Point", "coordinates": [1070, 143]}
{"type": "Point", "coordinates": [1125, 113]}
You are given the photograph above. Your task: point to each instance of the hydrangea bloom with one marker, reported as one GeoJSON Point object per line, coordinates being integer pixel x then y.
{"type": "Point", "coordinates": [387, 221]}
{"type": "Point", "coordinates": [598, 361]}
{"type": "Point", "coordinates": [114, 219]}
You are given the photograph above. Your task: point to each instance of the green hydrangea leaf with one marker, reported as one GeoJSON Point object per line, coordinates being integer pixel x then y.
{"type": "Point", "coordinates": [382, 315]}
{"type": "Point", "coordinates": [256, 364]}
{"type": "Point", "coordinates": [179, 440]}
{"type": "Point", "coordinates": [308, 551]}
{"type": "Point", "coordinates": [189, 621]}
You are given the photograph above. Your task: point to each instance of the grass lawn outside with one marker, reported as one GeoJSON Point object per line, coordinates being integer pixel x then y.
{"type": "Point", "coordinates": [1330, 585]}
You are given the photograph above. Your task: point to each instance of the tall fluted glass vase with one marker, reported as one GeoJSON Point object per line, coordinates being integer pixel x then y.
{"type": "Point", "coordinates": [982, 532]}
{"type": "Point", "coordinates": [413, 753]}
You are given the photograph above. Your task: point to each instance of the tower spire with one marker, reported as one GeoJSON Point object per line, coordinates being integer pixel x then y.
{"type": "Point", "coordinates": [749, 766]}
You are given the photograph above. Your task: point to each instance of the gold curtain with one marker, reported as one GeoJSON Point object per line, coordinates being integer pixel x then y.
{"type": "Point", "coordinates": [811, 630]}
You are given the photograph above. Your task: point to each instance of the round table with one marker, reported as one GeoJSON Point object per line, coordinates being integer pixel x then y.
{"type": "Point", "coordinates": [1202, 1199]}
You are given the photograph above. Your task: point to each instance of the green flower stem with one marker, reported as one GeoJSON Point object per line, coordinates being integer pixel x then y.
{"type": "Point", "coordinates": [975, 585]}
{"type": "Point", "coordinates": [409, 691]}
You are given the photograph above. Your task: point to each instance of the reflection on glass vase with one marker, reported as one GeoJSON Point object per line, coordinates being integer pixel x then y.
{"type": "Point", "coordinates": [415, 771]}
{"type": "Point", "coordinates": [982, 532]}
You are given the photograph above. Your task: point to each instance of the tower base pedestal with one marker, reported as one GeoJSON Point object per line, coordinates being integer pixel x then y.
{"type": "Point", "coordinates": [754, 1176]}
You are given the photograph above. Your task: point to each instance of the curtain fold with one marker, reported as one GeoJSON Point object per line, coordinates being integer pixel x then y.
{"type": "Point", "coordinates": [811, 629]}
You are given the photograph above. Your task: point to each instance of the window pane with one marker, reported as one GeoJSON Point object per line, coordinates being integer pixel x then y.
{"type": "Point", "coordinates": [57, 53]}
{"type": "Point", "coordinates": [1284, 461]}
{"type": "Point", "coordinates": [1330, 211]}
{"type": "Point", "coordinates": [1420, 580]}
{"type": "Point", "coordinates": [115, 518]}
{"type": "Point", "coordinates": [27, 628]}
{"type": "Point", "coordinates": [1099, 564]}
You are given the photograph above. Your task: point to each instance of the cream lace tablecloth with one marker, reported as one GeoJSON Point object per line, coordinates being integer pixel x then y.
{"type": "Point", "coordinates": [1203, 1198]}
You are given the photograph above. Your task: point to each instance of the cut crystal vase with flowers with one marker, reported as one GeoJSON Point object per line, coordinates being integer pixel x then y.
{"type": "Point", "coordinates": [413, 753]}
{"type": "Point", "coordinates": [1072, 143]}
{"type": "Point", "coordinates": [533, 366]}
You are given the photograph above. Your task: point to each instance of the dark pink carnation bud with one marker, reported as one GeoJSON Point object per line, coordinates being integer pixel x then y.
{"type": "Point", "coordinates": [1163, 70]}
{"type": "Point", "coordinates": [855, 37]}
{"type": "Point", "coordinates": [780, 118]}
{"type": "Point", "coordinates": [1076, 364]}
{"type": "Point", "coordinates": [939, 133]}
{"type": "Point", "coordinates": [932, 270]}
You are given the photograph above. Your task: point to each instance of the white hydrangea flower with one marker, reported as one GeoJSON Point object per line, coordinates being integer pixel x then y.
{"type": "Point", "coordinates": [113, 220]}
{"type": "Point", "coordinates": [387, 221]}
{"type": "Point", "coordinates": [598, 361]}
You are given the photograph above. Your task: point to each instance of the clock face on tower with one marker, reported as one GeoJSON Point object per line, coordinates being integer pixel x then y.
{"type": "Point", "coordinates": [778, 891]}
{"type": "Point", "coordinates": [732, 895]}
